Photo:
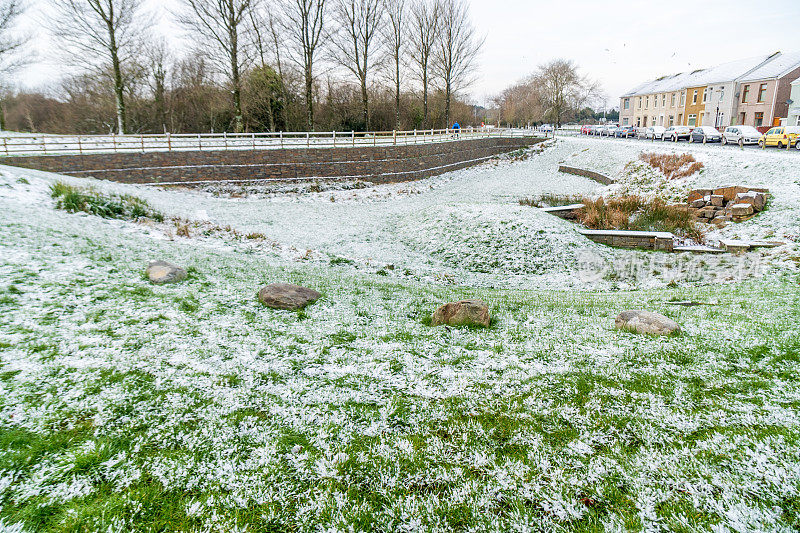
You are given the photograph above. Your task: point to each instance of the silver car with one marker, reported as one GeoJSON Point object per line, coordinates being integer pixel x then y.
{"type": "Point", "coordinates": [740, 135]}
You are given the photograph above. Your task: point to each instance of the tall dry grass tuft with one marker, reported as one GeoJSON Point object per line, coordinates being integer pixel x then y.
{"type": "Point", "coordinates": [673, 166]}
{"type": "Point", "coordinates": [638, 214]}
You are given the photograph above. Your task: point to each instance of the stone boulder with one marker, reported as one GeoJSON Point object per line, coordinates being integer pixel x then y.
{"type": "Point", "coordinates": [287, 296]}
{"type": "Point", "coordinates": [160, 272]}
{"type": "Point", "coordinates": [463, 313]}
{"type": "Point", "coordinates": [639, 321]}
{"type": "Point", "coordinates": [756, 199]}
{"type": "Point", "coordinates": [741, 210]}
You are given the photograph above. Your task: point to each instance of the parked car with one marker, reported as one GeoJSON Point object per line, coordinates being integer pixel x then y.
{"type": "Point", "coordinates": [546, 128]}
{"type": "Point", "coordinates": [705, 134]}
{"type": "Point", "coordinates": [608, 130]}
{"type": "Point", "coordinates": [586, 129]}
{"type": "Point", "coordinates": [781, 136]}
{"type": "Point", "coordinates": [655, 132]}
{"type": "Point", "coordinates": [740, 135]}
{"type": "Point", "coordinates": [625, 132]}
{"type": "Point", "coordinates": [677, 133]}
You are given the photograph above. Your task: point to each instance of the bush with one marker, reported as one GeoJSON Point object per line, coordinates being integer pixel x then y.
{"type": "Point", "coordinates": [551, 200]}
{"type": "Point", "coordinates": [74, 199]}
{"type": "Point", "coordinates": [671, 165]}
{"type": "Point", "coordinates": [638, 214]}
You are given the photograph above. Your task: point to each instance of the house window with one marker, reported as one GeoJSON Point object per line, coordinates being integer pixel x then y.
{"type": "Point", "coordinates": [661, 120]}
{"type": "Point", "coordinates": [627, 103]}
{"type": "Point", "coordinates": [745, 91]}
{"type": "Point", "coordinates": [683, 98]}
{"type": "Point", "coordinates": [721, 93]}
{"type": "Point", "coordinates": [797, 120]}
{"type": "Point", "coordinates": [762, 92]}
{"type": "Point", "coordinates": [742, 118]}
{"type": "Point", "coordinates": [759, 119]}
{"type": "Point", "coordinates": [673, 100]}
{"type": "Point", "coordinates": [624, 121]}
{"type": "Point", "coordinates": [663, 100]}
{"type": "Point", "coordinates": [702, 116]}
{"type": "Point", "coordinates": [640, 102]}
{"type": "Point", "coordinates": [694, 98]}
{"type": "Point", "coordinates": [638, 122]}
{"type": "Point", "coordinates": [692, 119]}
{"type": "Point", "coordinates": [680, 118]}
{"type": "Point", "coordinates": [671, 120]}
{"type": "Point", "coordinates": [646, 102]}
{"type": "Point", "coordinates": [706, 95]}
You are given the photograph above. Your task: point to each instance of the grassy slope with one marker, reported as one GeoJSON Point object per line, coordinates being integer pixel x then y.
{"type": "Point", "coordinates": [129, 406]}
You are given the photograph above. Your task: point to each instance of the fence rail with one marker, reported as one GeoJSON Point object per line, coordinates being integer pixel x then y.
{"type": "Point", "coordinates": [45, 144]}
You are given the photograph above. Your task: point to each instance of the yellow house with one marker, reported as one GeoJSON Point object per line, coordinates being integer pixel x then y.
{"type": "Point", "coordinates": [696, 98]}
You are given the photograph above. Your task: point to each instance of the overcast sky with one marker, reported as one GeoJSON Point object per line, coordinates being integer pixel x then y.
{"type": "Point", "coordinates": [621, 43]}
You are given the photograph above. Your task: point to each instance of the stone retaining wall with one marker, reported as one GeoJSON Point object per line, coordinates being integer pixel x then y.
{"type": "Point", "coordinates": [632, 239]}
{"type": "Point", "coordinates": [378, 164]}
{"type": "Point", "coordinates": [586, 174]}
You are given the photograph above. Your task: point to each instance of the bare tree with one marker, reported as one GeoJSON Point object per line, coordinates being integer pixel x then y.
{"type": "Point", "coordinates": [423, 37]}
{"type": "Point", "coordinates": [303, 24]}
{"type": "Point", "coordinates": [10, 42]}
{"type": "Point", "coordinates": [563, 89]}
{"type": "Point", "coordinates": [158, 64]}
{"type": "Point", "coordinates": [354, 43]}
{"type": "Point", "coordinates": [101, 32]}
{"type": "Point", "coordinates": [395, 37]}
{"type": "Point", "coordinates": [457, 51]}
{"type": "Point", "coordinates": [222, 26]}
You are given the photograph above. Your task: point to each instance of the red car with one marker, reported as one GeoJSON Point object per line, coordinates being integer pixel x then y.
{"type": "Point", "coordinates": [586, 129]}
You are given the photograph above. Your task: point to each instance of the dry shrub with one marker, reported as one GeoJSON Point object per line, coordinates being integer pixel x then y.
{"type": "Point", "coordinates": [255, 236]}
{"type": "Point", "coordinates": [673, 166]}
{"type": "Point", "coordinates": [551, 200]}
{"type": "Point", "coordinates": [182, 229]}
{"type": "Point", "coordinates": [638, 214]}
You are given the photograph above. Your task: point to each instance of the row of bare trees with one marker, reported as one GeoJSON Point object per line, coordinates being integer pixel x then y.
{"type": "Point", "coordinates": [556, 93]}
{"type": "Point", "coordinates": [271, 58]}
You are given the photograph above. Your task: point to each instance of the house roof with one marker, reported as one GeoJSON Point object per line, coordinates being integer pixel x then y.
{"type": "Point", "coordinates": [777, 67]}
{"type": "Point", "coordinates": [731, 71]}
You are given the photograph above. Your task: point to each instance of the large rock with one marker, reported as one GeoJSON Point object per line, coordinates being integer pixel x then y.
{"type": "Point", "coordinates": [646, 322]}
{"type": "Point", "coordinates": [756, 199]}
{"type": "Point", "coordinates": [463, 313]}
{"type": "Point", "coordinates": [741, 210]}
{"type": "Point", "coordinates": [160, 272]}
{"type": "Point", "coordinates": [287, 296]}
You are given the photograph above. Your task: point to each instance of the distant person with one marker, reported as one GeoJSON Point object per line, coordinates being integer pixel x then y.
{"type": "Point", "coordinates": [456, 129]}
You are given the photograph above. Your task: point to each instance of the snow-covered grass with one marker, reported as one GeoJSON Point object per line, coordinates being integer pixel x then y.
{"type": "Point", "coordinates": [127, 406]}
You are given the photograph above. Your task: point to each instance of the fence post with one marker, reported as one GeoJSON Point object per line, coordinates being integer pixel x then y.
{"type": "Point", "coordinates": [141, 140]}
{"type": "Point", "coordinates": [114, 141]}
{"type": "Point", "coordinates": [353, 136]}
{"type": "Point", "coordinates": [80, 148]}
{"type": "Point", "coordinates": [415, 135]}
{"type": "Point", "coordinates": [254, 140]}
{"type": "Point", "coordinates": [281, 137]}
{"type": "Point", "coordinates": [225, 140]}
{"type": "Point", "coordinates": [199, 143]}
{"type": "Point", "coordinates": [394, 137]}
{"type": "Point", "coordinates": [308, 139]}
{"type": "Point", "coordinates": [169, 142]}
{"type": "Point", "coordinates": [5, 145]}
{"type": "Point", "coordinates": [334, 138]}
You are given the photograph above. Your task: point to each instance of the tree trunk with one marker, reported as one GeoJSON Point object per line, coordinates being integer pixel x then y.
{"type": "Point", "coordinates": [365, 103]}
{"type": "Point", "coordinates": [447, 94]}
{"type": "Point", "coordinates": [309, 100]}
{"type": "Point", "coordinates": [397, 96]}
{"type": "Point", "coordinates": [425, 97]}
{"type": "Point", "coordinates": [236, 80]}
{"type": "Point", "coordinates": [119, 87]}
{"type": "Point", "coordinates": [2, 116]}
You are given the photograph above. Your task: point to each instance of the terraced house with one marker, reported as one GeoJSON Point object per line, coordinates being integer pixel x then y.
{"type": "Point", "coordinates": [750, 91]}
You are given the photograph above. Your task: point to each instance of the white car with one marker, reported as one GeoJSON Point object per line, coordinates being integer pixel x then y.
{"type": "Point", "coordinates": [546, 128]}
{"type": "Point", "coordinates": [740, 135]}
{"type": "Point", "coordinates": [654, 132]}
{"type": "Point", "coordinates": [608, 130]}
